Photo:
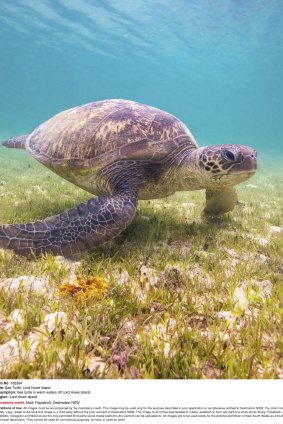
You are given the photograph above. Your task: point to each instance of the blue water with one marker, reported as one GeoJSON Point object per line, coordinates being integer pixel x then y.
{"type": "Point", "coordinates": [216, 64]}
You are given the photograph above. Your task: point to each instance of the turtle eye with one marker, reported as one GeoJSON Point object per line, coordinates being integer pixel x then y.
{"type": "Point", "coordinates": [229, 155]}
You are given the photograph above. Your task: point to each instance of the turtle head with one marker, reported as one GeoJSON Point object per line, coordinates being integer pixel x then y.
{"type": "Point", "coordinates": [227, 164]}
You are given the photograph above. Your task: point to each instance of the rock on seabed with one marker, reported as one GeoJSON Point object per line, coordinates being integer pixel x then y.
{"type": "Point", "coordinates": [275, 229]}
{"type": "Point", "coordinates": [28, 283]}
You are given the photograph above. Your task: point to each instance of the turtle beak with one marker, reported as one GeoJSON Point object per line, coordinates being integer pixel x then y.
{"type": "Point", "coordinates": [249, 163]}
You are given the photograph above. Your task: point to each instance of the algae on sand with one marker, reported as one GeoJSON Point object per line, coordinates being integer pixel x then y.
{"type": "Point", "coordinates": [186, 298]}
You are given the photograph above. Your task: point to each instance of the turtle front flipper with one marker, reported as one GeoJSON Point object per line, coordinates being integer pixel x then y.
{"type": "Point", "coordinates": [74, 231]}
{"type": "Point", "coordinates": [219, 202]}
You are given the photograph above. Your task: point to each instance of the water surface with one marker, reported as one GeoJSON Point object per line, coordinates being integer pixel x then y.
{"type": "Point", "coordinates": [215, 64]}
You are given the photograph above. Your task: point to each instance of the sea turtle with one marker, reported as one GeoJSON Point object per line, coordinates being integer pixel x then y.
{"type": "Point", "coordinates": [121, 151]}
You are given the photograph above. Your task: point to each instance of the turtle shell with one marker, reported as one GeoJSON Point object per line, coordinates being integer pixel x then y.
{"type": "Point", "coordinates": [87, 138]}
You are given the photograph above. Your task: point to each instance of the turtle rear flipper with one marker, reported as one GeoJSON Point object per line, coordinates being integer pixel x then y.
{"type": "Point", "coordinates": [220, 202]}
{"type": "Point", "coordinates": [17, 142]}
{"type": "Point", "coordinates": [74, 231]}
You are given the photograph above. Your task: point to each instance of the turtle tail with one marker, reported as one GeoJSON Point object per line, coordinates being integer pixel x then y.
{"type": "Point", "coordinates": [17, 142]}
{"type": "Point", "coordinates": [74, 231]}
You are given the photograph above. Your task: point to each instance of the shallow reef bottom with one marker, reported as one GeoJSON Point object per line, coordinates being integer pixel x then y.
{"type": "Point", "coordinates": [183, 297]}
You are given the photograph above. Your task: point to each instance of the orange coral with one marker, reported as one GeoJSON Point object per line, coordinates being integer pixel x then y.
{"type": "Point", "coordinates": [85, 288]}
